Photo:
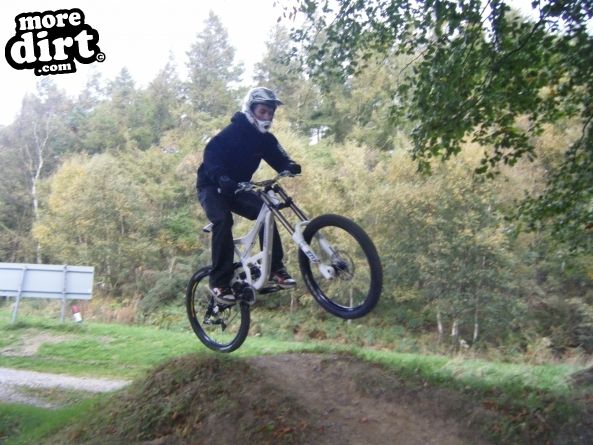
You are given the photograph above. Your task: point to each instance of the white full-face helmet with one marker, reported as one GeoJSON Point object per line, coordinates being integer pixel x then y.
{"type": "Point", "coordinates": [259, 95]}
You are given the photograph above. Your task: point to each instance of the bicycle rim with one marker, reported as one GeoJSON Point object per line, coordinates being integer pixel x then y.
{"type": "Point", "coordinates": [221, 328]}
{"type": "Point", "coordinates": [355, 286]}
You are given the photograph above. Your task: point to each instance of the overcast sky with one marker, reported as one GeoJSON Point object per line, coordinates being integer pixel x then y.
{"type": "Point", "coordinates": [139, 36]}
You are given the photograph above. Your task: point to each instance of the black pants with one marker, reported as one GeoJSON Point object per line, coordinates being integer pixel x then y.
{"type": "Point", "coordinates": [219, 210]}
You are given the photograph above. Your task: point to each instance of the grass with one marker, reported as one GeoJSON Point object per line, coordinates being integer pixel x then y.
{"type": "Point", "coordinates": [113, 350]}
{"type": "Point", "coordinates": [57, 396]}
{"type": "Point", "coordinates": [123, 351]}
{"type": "Point", "coordinates": [477, 374]}
{"type": "Point", "coordinates": [100, 350]}
{"type": "Point", "coordinates": [24, 425]}
{"type": "Point", "coordinates": [130, 352]}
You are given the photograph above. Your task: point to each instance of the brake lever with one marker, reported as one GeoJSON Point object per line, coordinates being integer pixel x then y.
{"type": "Point", "coordinates": [286, 174]}
{"type": "Point", "coordinates": [243, 187]}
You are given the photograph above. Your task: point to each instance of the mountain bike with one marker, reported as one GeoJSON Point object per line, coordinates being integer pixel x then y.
{"type": "Point", "coordinates": [338, 262]}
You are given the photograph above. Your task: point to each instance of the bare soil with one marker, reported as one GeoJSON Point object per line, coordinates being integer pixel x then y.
{"type": "Point", "coordinates": [30, 341]}
{"type": "Point", "coordinates": [18, 386]}
{"type": "Point", "coordinates": [354, 402]}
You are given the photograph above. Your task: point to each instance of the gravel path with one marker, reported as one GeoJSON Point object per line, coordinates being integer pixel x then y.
{"type": "Point", "coordinates": [13, 379]}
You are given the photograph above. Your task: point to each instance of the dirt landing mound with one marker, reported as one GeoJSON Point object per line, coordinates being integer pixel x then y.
{"type": "Point", "coordinates": [355, 402]}
{"type": "Point", "coordinates": [285, 399]}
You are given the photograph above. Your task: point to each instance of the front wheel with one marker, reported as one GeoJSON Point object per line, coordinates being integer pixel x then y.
{"type": "Point", "coordinates": [220, 327]}
{"type": "Point", "coordinates": [353, 278]}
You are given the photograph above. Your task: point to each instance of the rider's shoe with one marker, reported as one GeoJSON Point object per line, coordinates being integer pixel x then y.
{"type": "Point", "coordinates": [282, 279]}
{"type": "Point", "coordinates": [224, 295]}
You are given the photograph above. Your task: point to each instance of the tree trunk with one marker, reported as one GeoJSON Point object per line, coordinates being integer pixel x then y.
{"type": "Point", "coordinates": [36, 218]}
{"type": "Point", "coordinates": [477, 306]}
{"type": "Point", "coordinates": [476, 324]}
{"type": "Point", "coordinates": [455, 335]}
{"type": "Point", "coordinates": [440, 328]}
{"type": "Point", "coordinates": [37, 160]}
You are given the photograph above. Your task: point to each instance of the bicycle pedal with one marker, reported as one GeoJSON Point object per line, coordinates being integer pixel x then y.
{"type": "Point", "coordinates": [248, 295]}
{"type": "Point", "coordinates": [270, 289]}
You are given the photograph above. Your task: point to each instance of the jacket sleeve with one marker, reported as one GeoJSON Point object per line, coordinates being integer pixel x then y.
{"type": "Point", "coordinates": [276, 156]}
{"type": "Point", "coordinates": [214, 160]}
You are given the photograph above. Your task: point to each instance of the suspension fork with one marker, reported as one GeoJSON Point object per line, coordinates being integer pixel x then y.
{"type": "Point", "coordinates": [296, 232]}
{"type": "Point", "coordinates": [325, 245]}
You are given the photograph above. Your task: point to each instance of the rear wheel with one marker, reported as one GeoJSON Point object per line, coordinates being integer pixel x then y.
{"type": "Point", "coordinates": [353, 279]}
{"type": "Point", "coordinates": [220, 327]}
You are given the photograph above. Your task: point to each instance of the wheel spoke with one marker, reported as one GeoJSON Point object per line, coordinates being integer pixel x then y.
{"type": "Point", "coordinates": [350, 265]}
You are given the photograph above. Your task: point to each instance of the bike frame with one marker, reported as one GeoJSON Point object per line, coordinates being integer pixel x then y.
{"type": "Point", "coordinates": [274, 199]}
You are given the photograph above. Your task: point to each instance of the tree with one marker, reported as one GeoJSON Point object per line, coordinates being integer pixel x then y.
{"type": "Point", "coordinates": [94, 214]}
{"type": "Point", "coordinates": [125, 213]}
{"type": "Point", "coordinates": [124, 121]}
{"type": "Point", "coordinates": [164, 96]}
{"type": "Point", "coordinates": [88, 101]}
{"type": "Point", "coordinates": [476, 70]}
{"type": "Point", "coordinates": [277, 70]}
{"type": "Point", "coordinates": [280, 71]}
{"type": "Point", "coordinates": [129, 108]}
{"type": "Point", "coordinates": [93, 93]}
{"type": "Point", "coordinates": [15, 207]}
{"type": "Point", "coordinates": [212, 70]}
{"type": "Point", "coordinates": [33, 145]}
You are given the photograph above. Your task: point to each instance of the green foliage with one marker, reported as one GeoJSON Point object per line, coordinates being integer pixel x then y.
{"type": "Point", "coordinates": [107, 211]}
{"type": "Point", "coordinates": [162, 101]}
{"type": "Point", "coordinates": [275, 71]}
{"type": "Point", "coordinates": [565, 205]}
{"type": "Point", "coordinates": [99, 133]}
{"type": "Point", "coordinates": [108, 205]}
{"type": "Point", "coordinates": [475, 72]}
{"type": "Point", "coordinates": [163, 288]}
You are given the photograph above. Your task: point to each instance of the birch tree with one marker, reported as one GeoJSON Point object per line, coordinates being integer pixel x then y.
{"type": "Point", "coordinates": [37, 137]}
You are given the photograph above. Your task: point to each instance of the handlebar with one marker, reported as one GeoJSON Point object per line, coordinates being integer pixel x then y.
{"type": "Point", "coordinates": [253, 185]}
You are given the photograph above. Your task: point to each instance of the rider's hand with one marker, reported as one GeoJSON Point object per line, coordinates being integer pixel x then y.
{"type": "Point", "coordinates": [228, 186]}
{"type": "Point", "coordinates": [293, 168]}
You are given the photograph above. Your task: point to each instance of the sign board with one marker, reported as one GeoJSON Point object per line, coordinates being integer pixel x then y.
{"type": "Point", "coordinates": [46, 281]}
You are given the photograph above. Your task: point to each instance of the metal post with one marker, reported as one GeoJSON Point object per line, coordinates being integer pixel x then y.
{"type": "Point", "coordinates": [63, 315]}
{"type": "Point", "coordinates": [18, 295]}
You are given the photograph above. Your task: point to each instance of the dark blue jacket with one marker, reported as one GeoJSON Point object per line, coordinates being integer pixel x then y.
{"type": "Point", "coordinates": [237, 152]}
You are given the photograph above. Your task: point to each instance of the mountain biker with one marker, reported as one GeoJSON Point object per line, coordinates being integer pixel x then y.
{"type": "Point", "coordinates": [230, 157]}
